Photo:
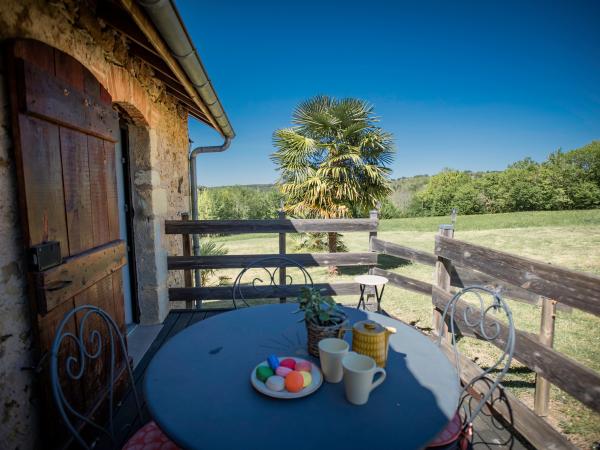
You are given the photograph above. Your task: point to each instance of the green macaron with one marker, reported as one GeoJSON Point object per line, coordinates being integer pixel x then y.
{"type": "Point", "coordinates": [264, 372]}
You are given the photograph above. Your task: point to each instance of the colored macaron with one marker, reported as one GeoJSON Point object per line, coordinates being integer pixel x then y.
{"type": "Point", "coordinates": [288, 362]}
{"type": "Point", "coordinates": [303, 366]}
{"type": "Point", "coordinates": [294, 382]}
{"type": "Point", "coordinates": [264, 372]}
{"type": "Point", "coordinates": [283, 371]}
{"type": "Point", "coordinates": [276, 383]}
{"type": "Point", "coordinates": [306, 378]}
{"type": "Point", "coordinates": [273, 362]}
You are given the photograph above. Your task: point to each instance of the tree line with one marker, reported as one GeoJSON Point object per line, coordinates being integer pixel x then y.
{"type": "Point", "coordinates": [238, 202]}
{"type": "Point", "coordinates": [565, 180]}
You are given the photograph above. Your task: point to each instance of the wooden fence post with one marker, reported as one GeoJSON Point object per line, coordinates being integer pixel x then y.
{"type": "Point", "coordinates": [546, 337]}
{"type": "Point", "coordinates": [373, 215]}
{"type": "Point", "coordinates": [443, 268]}
{"type": "Point", "coordinates": [282, 251]}
{"type": "Point", "coordinates": [187, 251]}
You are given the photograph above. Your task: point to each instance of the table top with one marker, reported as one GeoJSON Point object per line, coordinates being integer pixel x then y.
{"type": "Point", "coordinates": [371, 280]}
{"type": "Point", "coordinates": [197, 388]}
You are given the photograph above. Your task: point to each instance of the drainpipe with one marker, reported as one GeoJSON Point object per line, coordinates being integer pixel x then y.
{"type": "Point", "coordinates": [194, 192]}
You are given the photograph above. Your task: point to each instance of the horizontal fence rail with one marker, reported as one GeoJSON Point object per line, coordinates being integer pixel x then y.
{"type": "Point", "coordinates": [404, 282]}
{"type": "Point", "coordinates": [269, 226]}
{"type": "Point", "coordinates": [406, 253]}
{"type": "Point", "coordinates": [254, 292]}
{"type": "Point", "coordinates": [240, 261]}
{"type": "Point", "coordinates": [461, 277]}
{"type": "Point", "coordinates": [566, 286]}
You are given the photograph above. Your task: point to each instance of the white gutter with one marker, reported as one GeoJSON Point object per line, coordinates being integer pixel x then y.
{"type": "Point", "coordinates": [166, 19]}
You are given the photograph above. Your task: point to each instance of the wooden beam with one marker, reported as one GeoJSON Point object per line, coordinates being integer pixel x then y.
{"type": "Point", "coordinates": [157, 42]}
{"type": "Point", "coordinates": [269, 226]}
{"type": "Point", "coordinates": [404, 282]}
{"type": "Point", "coordinates": [461, 277]}
{"type": "Point", "coordinates": [240, 261]}
{"type": "Point", "coordinates": [77, 273]}
{"type": "Point", "coordinates": [187, 102]}
{"type": "Point", "coordinates": [443, 269]}
{"type": "Point", "coordinates": [186, 246]}
{"type": "Point", "coordinates": [249, 292]}
{"type": "Point", "coordinates": [572, 377]}
{"type": "Point", "coordinates": [541, 400]}
{"type": "Point", "coordinates": [573, 288]}
{"type": "Point", "coordinates": [282, 251]}
{"type": "Point", "coordinates": [42, 92]}
{"type": "Point", "coordinates": [406, 253]}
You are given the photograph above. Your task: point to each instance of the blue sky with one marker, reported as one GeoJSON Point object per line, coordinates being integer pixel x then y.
{"type": "Point", "coordinates": [468, 85]}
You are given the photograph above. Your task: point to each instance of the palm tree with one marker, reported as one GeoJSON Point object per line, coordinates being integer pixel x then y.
{"type": "Point", "coordinates": [334, 160]}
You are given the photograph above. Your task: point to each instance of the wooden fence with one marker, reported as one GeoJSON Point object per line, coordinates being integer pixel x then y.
{"type": "Point", "coordinates": [456, 264]}
{"type": "Point", "coordinates": [281, 227]}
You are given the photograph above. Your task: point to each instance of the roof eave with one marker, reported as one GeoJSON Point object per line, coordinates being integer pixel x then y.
{"type": "Point", "coordinates": [160, 21]}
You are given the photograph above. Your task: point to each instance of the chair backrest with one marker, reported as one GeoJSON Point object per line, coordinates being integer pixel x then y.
{"type": "Point", "coordinates": [459, 314]}
{"type": "Point", "coordinates": [249, 284]}
{"type": "Point", "coordinates": [75, 350]}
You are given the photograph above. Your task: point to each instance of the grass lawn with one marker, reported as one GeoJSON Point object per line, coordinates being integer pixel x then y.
{"type": "Point", "coordinates": [567, 238]}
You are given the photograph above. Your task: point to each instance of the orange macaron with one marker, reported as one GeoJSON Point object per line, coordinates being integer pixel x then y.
{"type": "Point", "coordinates": [294, 381]}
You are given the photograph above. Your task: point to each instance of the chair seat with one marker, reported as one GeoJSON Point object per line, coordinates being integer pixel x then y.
{"type": "Point", "coordinates": [450, 434]}
{"type": "Point", "coordinates": [150, 437]}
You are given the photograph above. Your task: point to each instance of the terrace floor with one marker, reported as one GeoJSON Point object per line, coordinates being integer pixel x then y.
{"type": "Point", "coordinates": [489, 433]}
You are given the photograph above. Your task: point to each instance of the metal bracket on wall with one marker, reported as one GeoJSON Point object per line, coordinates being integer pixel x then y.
{"type": "Point", "coordinates": [44, 256]}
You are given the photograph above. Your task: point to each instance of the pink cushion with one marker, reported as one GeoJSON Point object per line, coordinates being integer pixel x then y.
{"type": "Point", "coordinates": [150, 437]}
{"type": "Point", "coordinates": [449, 434]}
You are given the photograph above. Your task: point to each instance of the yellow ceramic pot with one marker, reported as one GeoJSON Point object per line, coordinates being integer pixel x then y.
{"type": "Point", "coordinates": [370, 338]}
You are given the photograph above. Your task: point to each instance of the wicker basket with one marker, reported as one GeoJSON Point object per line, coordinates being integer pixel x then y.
{"type": "Point", "coordinates": [317, 332]}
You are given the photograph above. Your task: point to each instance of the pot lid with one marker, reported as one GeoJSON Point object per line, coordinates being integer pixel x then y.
{"type": "Point", "coordinates": [369, 327]}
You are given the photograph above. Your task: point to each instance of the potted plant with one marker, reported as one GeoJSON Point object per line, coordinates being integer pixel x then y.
{"type": "Point", "coordinates": [322, 316]}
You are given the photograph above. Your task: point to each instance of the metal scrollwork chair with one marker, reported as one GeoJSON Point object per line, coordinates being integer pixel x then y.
{"type": "Point", "coordinates": [96, 340]}
{"type": "Point", "coordinates": [458, 433]}
{"type": "Point", "coordinates": [269, 266]}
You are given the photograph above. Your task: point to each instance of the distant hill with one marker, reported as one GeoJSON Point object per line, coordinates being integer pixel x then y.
{"type": "Point", "coordinates": [257, 187]}
{"type": "Point", "coordinates": [404, 189]}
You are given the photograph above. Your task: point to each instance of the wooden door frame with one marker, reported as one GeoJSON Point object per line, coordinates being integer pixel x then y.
{"type": "Point", "coordinates": [129, 215]}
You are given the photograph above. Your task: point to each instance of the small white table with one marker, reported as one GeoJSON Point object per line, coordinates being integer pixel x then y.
{"type": "Point", "coordinates": [372, 281]}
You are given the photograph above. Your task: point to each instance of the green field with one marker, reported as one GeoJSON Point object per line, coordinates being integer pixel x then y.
{"type": "Point", "coordinates": [567, 238]}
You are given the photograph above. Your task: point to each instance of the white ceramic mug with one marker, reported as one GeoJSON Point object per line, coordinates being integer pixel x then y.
{"type": "Point", "coordinates": [331, 352]}
{"type": "Point", "coordinates": [359, 371]}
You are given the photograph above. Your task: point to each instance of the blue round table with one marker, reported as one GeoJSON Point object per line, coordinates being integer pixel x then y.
{"type": "Point", "coordinates": [198, 389]}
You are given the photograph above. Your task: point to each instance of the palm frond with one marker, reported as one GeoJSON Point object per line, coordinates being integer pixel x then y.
{"type": "Point", "coordinates": [334, 160]}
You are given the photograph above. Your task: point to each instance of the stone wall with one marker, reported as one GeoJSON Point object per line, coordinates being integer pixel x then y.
{"type": "Point", "coordinates": [160, 175]}
{"type": "Point", "coordinates": [17, 413]}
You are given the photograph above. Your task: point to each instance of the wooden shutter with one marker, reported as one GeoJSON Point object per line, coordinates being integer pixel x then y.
{"type": "Point", "coordinates": [64, 130]}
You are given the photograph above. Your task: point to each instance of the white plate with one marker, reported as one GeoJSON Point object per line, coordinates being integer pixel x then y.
{"type": "Point", "coordinates": [317, 380]}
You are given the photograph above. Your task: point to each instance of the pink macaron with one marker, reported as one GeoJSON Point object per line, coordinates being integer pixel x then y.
{"type": "Point", "coordinates": [282, 371]}
{"type": "Point", "coordinates": [303, 366]}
